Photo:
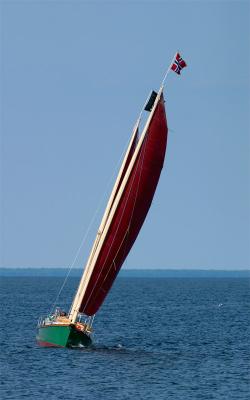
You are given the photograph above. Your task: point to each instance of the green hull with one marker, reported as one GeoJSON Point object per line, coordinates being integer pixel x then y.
{"type": "Point", "coordinates": [62, 336]}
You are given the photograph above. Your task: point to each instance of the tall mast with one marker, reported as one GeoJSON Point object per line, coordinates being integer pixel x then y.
{"type": "Point", "coordinates": [108, 216]}
{"type": "Point", "coordinates": [87, 271]}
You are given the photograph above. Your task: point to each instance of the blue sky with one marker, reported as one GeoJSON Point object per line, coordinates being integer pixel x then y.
{"type": "Point", "coordinates": [74, 76]}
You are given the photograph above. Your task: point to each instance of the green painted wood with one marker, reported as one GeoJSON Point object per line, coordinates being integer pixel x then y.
{"type": "Point", "coordinates": [62, 336]}
{"type": "Point", "coordinates": [53, 335]}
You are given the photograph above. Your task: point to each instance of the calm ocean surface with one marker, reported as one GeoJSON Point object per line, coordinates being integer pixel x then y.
{"type": "Point", "coordinates": [154, 339]}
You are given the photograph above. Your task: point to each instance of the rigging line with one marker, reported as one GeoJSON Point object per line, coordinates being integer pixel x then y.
{"type": "Point", "coordinates": [113, 262]}
{"type": "Point", "coordinates": [129, 225]}
{"type": "Point", "coordinates": [85, 276]}
{"type": "Point", "coordinates": [139, 156]}
{"type": "Point", "coordinates": [92, 219]}
{"type": "Point", "coordinates": [167, 72]}
{"type": "Point", "coordinates": [137, 189]}
{"type": "Point", "coordinates": [140, 161]}
{"type": "Point", "coordinates": [114, 235]}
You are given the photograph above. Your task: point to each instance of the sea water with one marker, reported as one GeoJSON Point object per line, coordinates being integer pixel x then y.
{"type": "Point", "coordinates": [158, 339]}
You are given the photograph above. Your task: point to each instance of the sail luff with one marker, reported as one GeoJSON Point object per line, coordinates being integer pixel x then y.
{"type": "Point", "coordinates": [112, 211]}
{"type": "Point", "coordinates": [87, 271]}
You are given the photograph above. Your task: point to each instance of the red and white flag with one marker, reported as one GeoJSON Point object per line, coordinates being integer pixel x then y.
{"type": "Point", "coordinates": [178, 64]}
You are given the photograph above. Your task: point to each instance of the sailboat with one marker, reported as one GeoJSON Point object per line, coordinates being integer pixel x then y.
{"type": "Point", "coordinates": [123, 218]}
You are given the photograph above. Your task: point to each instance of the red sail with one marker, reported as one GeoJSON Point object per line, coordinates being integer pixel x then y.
{"type": "Point", "coordinates": [131, 212]}
{"type": "Point", "coordinates": [129, 157]}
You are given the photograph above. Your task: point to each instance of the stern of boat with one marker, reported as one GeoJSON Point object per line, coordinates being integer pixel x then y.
{"type": "Point", "coordinates": [61, 332]}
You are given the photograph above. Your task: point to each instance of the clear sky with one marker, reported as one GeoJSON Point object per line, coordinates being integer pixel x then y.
{"type": "Point", "coordinates": [74, 76]}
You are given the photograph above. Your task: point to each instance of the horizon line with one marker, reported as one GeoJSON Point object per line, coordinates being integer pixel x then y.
{"type": "Point", "coordinates": [136, 269]}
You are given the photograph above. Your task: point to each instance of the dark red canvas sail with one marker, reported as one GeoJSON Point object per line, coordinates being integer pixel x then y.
{"type": "Point", "coordinates": [127, 161]}
{"type": "Point", "coordinates": [130, 213]}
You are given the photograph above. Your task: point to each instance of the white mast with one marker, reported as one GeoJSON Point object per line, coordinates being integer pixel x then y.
{"type": "Point", "coordinates": [108, 216]}
{"type": "Point", "coordinates": [86, 274]}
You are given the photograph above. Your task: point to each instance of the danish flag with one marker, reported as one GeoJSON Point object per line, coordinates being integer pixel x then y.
{"type": "Point", "coordinates": [178, 64]}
